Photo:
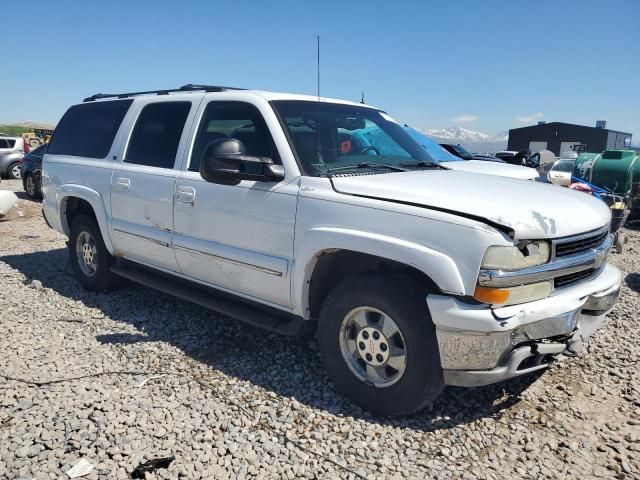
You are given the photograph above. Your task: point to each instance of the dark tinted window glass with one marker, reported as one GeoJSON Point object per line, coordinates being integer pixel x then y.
{"type": "Point", "coordinates": [3, 143]}
{"type": "Point", "coordinates": [238, 120]}
{"type": "Point", "coordinates": [11, 143]}
{"type": "Point", "coordinates": [155, 138]}
{"type": "Point", "coordinates": [88, 130]}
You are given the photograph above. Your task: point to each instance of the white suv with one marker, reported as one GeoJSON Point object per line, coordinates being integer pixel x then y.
{"type": "Point", "coordinates": [301, 214]}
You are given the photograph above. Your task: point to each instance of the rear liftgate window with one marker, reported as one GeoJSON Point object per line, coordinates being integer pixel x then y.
{"type": "Point", "coordinates": [88, 130]}
{"type": "Point", "coordinates": [157, 133]}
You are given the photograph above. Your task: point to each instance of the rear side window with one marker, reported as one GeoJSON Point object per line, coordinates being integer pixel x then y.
{"type": "Point", "coordinates": [155, 138]}
{"type": "Point", "coordinates": [4, 143]}
{"type": "Point", "coordinates": [88, 130]}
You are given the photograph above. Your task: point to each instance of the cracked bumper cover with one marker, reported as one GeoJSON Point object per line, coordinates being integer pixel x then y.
{"type": "Point", "coordinates": [479, 345]}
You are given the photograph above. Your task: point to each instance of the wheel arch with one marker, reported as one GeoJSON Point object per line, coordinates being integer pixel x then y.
{"type": "Point", "coordinates": [352, 253]}
{"type": "Point", "coordinates": [76, 200]}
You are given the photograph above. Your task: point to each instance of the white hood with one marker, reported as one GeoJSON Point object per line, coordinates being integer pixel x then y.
{"type": "Point", "coordinates": [493, 168]}
{"type": "Point", "coordinates": [531, 209]}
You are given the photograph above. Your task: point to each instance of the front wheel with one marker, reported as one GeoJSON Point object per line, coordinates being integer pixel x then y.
{"type": "Point", "coordinates": [90, 260]}
{"type": "Point", "coordinates": [379, 344]}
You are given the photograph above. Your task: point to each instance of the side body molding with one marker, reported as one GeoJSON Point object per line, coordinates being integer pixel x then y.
{"type": "Point", "coordinates": [96, 201]}
{"type": "Point", "coordinates": [439, 267]}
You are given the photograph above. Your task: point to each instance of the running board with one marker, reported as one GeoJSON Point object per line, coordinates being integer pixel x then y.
{"type": "Point", "coordinates": [258, 316]}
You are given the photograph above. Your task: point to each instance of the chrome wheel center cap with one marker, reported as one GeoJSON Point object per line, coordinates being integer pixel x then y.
{"type": "Point", "coordinates": [372, 346]}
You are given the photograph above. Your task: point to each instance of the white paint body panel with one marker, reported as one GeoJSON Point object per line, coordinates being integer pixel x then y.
{"type": "Point", "coordinates": [237, 237]}
{"type": "Point", "coordinates": [493, 168]}
{"type": "Point", "coordinates": [533, 210]}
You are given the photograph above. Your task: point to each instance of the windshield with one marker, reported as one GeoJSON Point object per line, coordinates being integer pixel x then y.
{"type": "Point", "coordinates": [461, 152]}
{"type": "Point", "coordinates": [564, 166]}
{"type": "Point", "coordinates": [437, 153]}
{"type": "Point", "coordinates": [327, 137]}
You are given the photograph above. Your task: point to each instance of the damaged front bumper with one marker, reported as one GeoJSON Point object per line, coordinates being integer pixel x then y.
{"type": "Point", "coordinates": [480, 345]}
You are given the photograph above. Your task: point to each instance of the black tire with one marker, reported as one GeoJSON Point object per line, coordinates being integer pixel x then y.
{"type": "Point", "coordinates": [102, 277]}
{"type": "Point", "coordinates": [10, 171]}
{"type": "Point", "coordinates": [32, 189]}
{"type": "Point", "coordinates": [620, 241]}
{"type": "Point", "coordinates": [400, 298]}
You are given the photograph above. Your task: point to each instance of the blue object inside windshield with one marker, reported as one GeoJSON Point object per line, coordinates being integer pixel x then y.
{"type": "Point", "coordinates": [434, 150]}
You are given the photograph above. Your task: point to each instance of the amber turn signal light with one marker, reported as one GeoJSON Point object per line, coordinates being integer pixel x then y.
{"type": "Point", "coordinates": [494, 296]}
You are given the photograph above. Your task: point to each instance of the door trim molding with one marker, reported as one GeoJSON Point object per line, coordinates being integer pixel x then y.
{"type": "Point", "coordinates": [154, 240]}
{"type": "Point", "coordinates": [230, 260]}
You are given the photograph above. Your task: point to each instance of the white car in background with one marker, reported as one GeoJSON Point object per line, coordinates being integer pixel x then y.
{"type": "Point", "coordinates": [560, 173]}
{"type": "Point", "coordinates": [447, 160]}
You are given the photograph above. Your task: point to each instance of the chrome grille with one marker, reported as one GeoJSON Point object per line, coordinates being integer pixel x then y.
{"type": "Point", "coordinates": [579, 245]}
{"type": "Point", "coordinates": [566, 280]}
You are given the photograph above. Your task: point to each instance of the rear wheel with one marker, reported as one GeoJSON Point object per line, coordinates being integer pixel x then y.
{"type": "Point", "coordinates": [90, 260]}
{"type": "Point", "coordinates": [14, 171]}
{"type": "Point", "coordinates": [31, 186]}
{"type": "Point", "coordinates": [379, 344]}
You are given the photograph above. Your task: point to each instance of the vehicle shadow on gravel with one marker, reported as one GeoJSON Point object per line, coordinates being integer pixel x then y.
{"type": "Point", "coordinates": [286, 366]}
{"type": "Point", "coordinates": [633, 281]}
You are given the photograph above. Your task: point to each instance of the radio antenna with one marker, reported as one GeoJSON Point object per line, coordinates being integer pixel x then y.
{"type": "Point", "coordinates": [362, 99]}
{"type": "Point", "coordinates": [318, 149]}
{"type": "Point", "coordinates": [318, 65]}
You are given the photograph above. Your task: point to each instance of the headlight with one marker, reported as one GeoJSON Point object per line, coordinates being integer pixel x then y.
{"type": "Point", "coordinates": [528, 254]}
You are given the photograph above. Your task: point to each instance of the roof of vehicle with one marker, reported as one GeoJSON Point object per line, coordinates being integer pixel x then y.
{"type": "Point", "coordinates": [202, 89]}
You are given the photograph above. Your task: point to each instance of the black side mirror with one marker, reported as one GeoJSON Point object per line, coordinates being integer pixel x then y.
{"type": "Point", "coordinates": [224, 161]}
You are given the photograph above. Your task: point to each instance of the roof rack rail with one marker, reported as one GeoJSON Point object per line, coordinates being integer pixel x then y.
{"type": "Point", "coordinates": [185, 88]}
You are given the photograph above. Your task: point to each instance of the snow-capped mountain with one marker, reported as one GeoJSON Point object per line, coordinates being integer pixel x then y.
{"type": "Point", "coordinates": [470, 139]}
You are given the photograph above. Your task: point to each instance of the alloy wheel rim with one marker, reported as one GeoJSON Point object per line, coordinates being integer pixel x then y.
{"type": "Point", "coordinates": [373, 347]}
{"type": "Point", "coordinates": [30, 185]}
{"type": "Point", "coordinates": [15, 171]}
{"type": "Point", "coordinates": [87, 253]}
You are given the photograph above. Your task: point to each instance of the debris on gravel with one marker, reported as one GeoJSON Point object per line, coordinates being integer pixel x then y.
{"type": "Point", "coordinates": [122, 379]}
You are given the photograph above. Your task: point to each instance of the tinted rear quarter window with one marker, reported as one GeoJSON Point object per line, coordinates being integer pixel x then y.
{"type": "Point", "coordinates": [88, 129]}
{"type": "Point", "coordinates": [155, 138]}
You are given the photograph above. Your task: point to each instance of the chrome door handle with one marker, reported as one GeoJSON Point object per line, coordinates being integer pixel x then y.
{"type": "Point", "coordinates": [122, 184]}
{"type": "Point", "coordinates": [186, 195]}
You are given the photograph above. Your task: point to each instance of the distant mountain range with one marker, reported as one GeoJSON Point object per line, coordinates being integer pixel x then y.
{"type": "Point", "coordinates": [470, 139]}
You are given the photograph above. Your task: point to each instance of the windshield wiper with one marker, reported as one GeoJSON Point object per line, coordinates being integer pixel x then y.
{"type": "Point", "coordinates": [421, 164]}
{"type": "Point", "coordinates": [366, 165]}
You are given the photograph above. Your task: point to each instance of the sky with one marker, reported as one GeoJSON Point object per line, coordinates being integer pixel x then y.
{"type": "Point", "coordinates": [485, 65]}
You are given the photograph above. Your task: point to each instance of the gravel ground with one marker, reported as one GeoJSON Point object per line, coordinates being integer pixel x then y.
{"type": "Point", "coordinates": [80, 378]}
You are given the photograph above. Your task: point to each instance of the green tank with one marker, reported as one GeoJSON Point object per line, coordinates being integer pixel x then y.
{"type": "Point", "coordinates": [584, 162]}
{"type": "Point", "coordinates": [619, 172]}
